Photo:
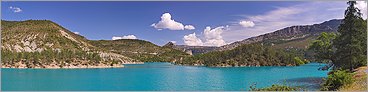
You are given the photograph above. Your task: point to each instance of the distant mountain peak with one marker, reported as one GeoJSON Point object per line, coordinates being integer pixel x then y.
{"type": "Point", "coordinates": [169, 44]}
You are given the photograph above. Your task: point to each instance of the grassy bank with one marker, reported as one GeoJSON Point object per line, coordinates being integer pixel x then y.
{"type": "Point", "coordinates": [342, 80]}
{"type": "Point", "coordinates": [359, 82]}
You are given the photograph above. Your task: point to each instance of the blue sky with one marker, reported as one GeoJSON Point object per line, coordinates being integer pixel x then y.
{"type": "Point", "coordinates": [191, 23]}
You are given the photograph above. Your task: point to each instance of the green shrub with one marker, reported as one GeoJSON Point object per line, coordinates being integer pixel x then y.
{"type": "Point", "coordinates": [298, 61]}
{"type": "Point", "coordinates": [337, 79]}
{"type": "Point", "coordinates": [276, 87]}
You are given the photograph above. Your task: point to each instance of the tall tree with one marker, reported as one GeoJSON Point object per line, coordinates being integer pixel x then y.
{"type": "Point", "coordinates": [351, 44]}
{"type": "Point", "coordinates": [323, 47]}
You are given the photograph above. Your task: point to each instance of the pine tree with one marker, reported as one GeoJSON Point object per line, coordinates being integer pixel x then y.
{"type": "Point", "coordinates": [351, 40]}
{"type": "Point", "coordinates": [323, 47]}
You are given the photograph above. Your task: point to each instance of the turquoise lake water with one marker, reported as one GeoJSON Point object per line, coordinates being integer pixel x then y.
{"type": "Point", "coordinates": [161, 76]}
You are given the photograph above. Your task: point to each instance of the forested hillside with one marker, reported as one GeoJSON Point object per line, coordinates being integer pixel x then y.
{"type": "Point", "coordinates": [45, 44]}
{"type": "Point", "coordinates": [140, 50]}
{"type": "Point", "coordinates": [248, 55]}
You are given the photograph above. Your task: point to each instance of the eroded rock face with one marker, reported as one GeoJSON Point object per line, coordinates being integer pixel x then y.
{"type": "Point", "coordinates": [17, 48]}
{"type": "Point", "coordinates": [107, 56]}
{"type": "Point", "coordinates": [22, 44]}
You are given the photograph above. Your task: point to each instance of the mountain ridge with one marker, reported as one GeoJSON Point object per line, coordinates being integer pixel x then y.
{"type": "Point", "coordinates": [303, 30]}
{"type": "Point", "coordinates": [38, 37]}
{"type": "Point", "coordinates": [279, 38]}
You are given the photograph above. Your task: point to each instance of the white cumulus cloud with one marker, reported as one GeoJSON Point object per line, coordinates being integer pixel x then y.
{"type": "Point", "coordinates": [212, 37]}
{"type": "Point", "coordinates": [189, 27]}
{"type": "Point", "coordinates": [192, 40]}
{"type": "Point", "coordinates": [167, 23]}
{"type": "Point", "coordinates": [124, 37]}
{"type": "Point", "coordinates": [246, 23]}
{"type": "Point", "coordinates": [15, 9]}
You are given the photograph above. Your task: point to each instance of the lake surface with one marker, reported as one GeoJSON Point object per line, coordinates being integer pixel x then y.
{"type": "Point", "coordinates": [161, 76]}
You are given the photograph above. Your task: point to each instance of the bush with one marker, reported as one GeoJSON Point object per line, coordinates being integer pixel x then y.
{"type": "Point", "coordinates": [276, 87]}
{"type": "Point", "coordinates": [298, 61]}
{"type": "Point", "coordinates": [337, 79]}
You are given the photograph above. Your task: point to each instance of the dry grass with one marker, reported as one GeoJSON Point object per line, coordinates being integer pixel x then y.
{"type": "Point", "coordinates": [360, 82]}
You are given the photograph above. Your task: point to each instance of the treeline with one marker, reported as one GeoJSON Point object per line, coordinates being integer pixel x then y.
{"type": "Point", "coordinates": [248, 55]}
{"type": "Point", "coordinates": [47, 57]}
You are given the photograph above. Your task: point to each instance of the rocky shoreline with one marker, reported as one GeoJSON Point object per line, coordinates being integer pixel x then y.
{"type": "Point", "coordinates": [236, 65]}
{"type": "Point", "coordinates": [133, 63]}
{"type": "Point", "coordinates": [22, 65]}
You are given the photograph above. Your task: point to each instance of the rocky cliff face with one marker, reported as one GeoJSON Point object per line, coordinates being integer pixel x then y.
{"type": "Point", "coordinates": [289, 33]}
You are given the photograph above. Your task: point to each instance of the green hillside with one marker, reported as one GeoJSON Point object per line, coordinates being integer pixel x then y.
{"type": "Point", "coordinates": [140, 50]}
{"type": "Point", "coordinates": [298, 43]}
{"type": "Point", "coordinates": [43, 43]}
{"type": "Point", "coordinates": [254, 54]}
